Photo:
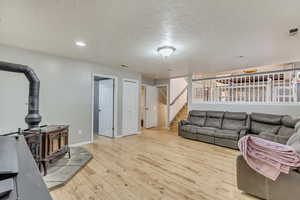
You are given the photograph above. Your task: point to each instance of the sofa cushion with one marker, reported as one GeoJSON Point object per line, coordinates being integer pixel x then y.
{"type": "Point", "coordinates": [286, 131]}
{"type": "Point", "coordinates": [289, 121]}
{"type": "Point", "coordinates": [266, 118]}
{"type": "Point", "coordinates": [215, 114]}
{"type": "Point", "coordinates": [257, 127]}
{"type": "Point", "coordinates": [198, 130]}
{"type": "Point", "coordinates": [197, 117]}
{"type": "Point", "coordinates": [234, 121]}
{"type": "Point", "coordinates": [236, 115]}
{"type": "Point", "coordinates": [282, 139]}
{"type": "Point", "coordinates": [197, 120]}
{"type": "Point", "coordinates": [267, 136]}
{"type": "Point", "coordinates": [197, 113]}
{"type": "Point", "coordinates": [274, 138]}
{"type": "Point", "coordinates": [214, 119]}
{"type": "Point", "coordinates": [228, 134]}
{"type": "Point", "coordinates": [233, 124]}
{"type": "Point", "coordinates": [189, 128]}
{"type": "Point", "coordinates": [261, 122]}
{"type": "Point", "coordinates": [206, 131]}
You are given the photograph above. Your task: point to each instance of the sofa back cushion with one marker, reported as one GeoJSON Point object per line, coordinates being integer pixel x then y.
{"type": "Point", "coordinates": [261, 122]}
{"type": "Point", "coordinates": [234, 120]}
{"type": "Point", "coordinates": [288, 126]}
{"type": "Point", "coordinates": [214, 119]}
{"type": "Point", "coordinates": [197, 117]}
{"type": "Point", "coordinates": [274, 138]}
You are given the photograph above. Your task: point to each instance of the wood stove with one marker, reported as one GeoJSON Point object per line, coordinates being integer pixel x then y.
{"type": "Point", "coordinates": [48, 143]}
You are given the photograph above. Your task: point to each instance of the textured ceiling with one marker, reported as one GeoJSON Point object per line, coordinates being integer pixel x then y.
{"type": "Point", "coordinates": [209, 35]}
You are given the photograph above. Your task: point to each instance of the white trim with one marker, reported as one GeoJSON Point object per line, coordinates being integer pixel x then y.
{"type": "Point", "coordinates": [115, 102]}
{"type": "Point", "coordinates": [118, 136]}
{"type": "Point", "coordinates": [80, 144]}
{"type": "Point", "coordinates": [145, 84]}
{"type": "Point", "coordinates": [135, 133]}
{"type": "Point", "coordinates": [245, 103]}
{"type": "Point", "coordinates": [138, 105]}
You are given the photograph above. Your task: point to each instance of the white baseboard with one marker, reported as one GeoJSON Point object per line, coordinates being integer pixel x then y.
{"type": "Point", "coordinates": [118, 136]}
{"type": "Point", "coordinates": [80, 144]}
{"type": "Point", "coordinates": [124, 135]}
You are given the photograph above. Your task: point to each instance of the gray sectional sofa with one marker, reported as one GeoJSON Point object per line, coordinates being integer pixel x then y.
{"type": "Point", "coordinates": [281, 129]}
{"type": "Point", "coordinates": [220, 128]}
{"type": "Point", "coordinates": [276, 128]}
{"type": "Point", "coordinates": [226, 128]}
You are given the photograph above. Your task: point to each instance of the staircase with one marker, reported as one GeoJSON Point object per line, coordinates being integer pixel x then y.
{"type": "Point", "coordinates": [182, 115]}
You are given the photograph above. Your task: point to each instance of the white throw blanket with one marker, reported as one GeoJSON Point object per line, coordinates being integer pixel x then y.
{"type": "Point", "coordinates": [268, 158]}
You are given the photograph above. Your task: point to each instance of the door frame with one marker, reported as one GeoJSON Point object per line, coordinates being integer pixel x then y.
{"type": "Point", "coordinates": [168, 103]}
{"type": "Point", "coordinates": [154, 86]}
{"type": "Point", "coordinates": [115, 113]}
{"type": "Point", "coordinates": [138, 106]}
{"type": "Point", "coordinates": [144, 117]}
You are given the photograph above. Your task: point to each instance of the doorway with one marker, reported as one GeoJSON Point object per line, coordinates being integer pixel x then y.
{"type": "Point", "coordinates": [162, 106]}
{"type": "Point", "coordinates": [154, 106]}
{"type": "Point", "coordinates": [104, 108]}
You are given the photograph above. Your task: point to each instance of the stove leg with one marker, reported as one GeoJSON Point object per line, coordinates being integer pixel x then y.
{"type": "Point", "coordinates": [44, 163]}
{"type": "Point", "coordinates": [40, 166]}
{"type": "Point", "coordinates": [69, 153]}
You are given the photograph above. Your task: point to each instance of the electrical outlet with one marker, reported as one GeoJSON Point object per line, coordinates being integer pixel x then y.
{"type": "Point", "coordinates": [79, 132]}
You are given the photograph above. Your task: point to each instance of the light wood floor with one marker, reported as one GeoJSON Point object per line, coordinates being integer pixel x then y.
{"type": "Point", "coordinates": [154, 165]}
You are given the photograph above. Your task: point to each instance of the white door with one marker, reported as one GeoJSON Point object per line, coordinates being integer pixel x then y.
{"type": "Point", "coordinates": [106, 107]}
{"type": "Point", "coordinates": [130, 106]}
{"type": "Point", "coordinates": [151, 107]}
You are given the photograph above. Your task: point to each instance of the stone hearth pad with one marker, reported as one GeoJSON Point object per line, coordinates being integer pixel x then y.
{"type": "Point", "coordinates": [61, 171]}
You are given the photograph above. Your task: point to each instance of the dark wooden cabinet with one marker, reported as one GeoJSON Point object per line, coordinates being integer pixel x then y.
{"type": "Point", "coordinates": [48, 143]}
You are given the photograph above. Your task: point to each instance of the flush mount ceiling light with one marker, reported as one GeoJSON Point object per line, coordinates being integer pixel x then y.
{"type": "Point", "coordinates": [293, 32]}
{"type": "Point", "coordinates": [80, 43]}
{"type": "Point", "coordinates": [125, 66]}
{"type": "Point", "coordinates": [166, 51]}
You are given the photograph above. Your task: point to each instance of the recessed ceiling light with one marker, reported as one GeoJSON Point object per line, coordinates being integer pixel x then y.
{"type": "Point", "coordinates": [80, 43]}
{"type": "Point", "coordinates": [166, 51]}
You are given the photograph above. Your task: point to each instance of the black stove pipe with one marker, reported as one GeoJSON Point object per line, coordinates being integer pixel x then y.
{"type": "Point", "coordinates": [33, 117]}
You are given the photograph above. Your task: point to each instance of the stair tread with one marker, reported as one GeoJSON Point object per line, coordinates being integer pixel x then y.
{"type": "Point", "coordinates": [182, 114]}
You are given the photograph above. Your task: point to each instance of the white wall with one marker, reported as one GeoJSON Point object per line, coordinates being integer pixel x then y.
{"type": "Point", "coordinates": [66, 91]}
{"type": "Point", "coordinates": [177, 106]}
{"type": "Point", "coordinates": [293, 110]}
{"type": "Point", "coordinates": [176, 87]}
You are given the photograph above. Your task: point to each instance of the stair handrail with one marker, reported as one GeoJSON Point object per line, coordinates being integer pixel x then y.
{"type": "Point", "coordinates": [178, 96]}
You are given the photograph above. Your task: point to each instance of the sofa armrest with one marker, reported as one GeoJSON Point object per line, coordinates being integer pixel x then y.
{"type": "Point", "coordinates": [297, 126]}
{"type": "Point", "coordinates": [182, 123]}
{"type": "Point", "coordinates": [248, 180]}
{"type": "Point", "coordinates": [243, 132]}
{"type": "Point", "coordinates": [251, 182]}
